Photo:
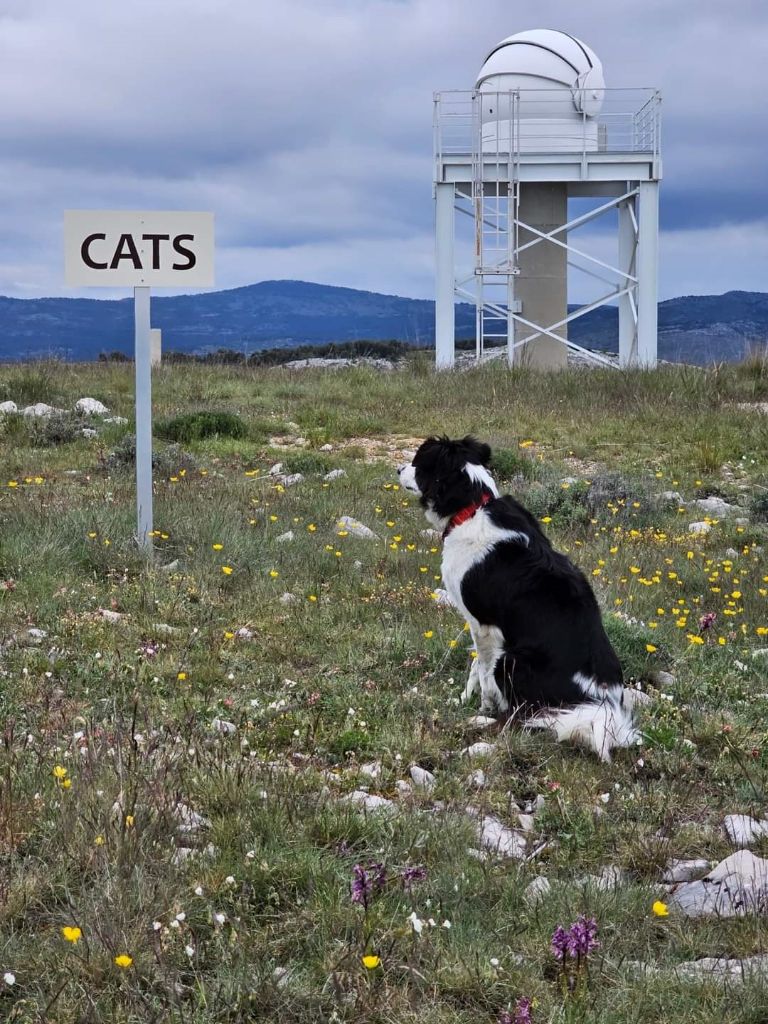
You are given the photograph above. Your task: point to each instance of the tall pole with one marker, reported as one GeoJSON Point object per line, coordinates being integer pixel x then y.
{"type": "Point", "coordinates": [143, 361]}
{"type": "Point", "coordinates": [445, 282]}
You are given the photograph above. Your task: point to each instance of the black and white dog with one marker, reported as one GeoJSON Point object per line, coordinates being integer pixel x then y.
{"type": "Point", "coordinates": [542, 652]}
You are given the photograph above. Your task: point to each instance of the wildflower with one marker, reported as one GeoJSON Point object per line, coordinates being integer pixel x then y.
{"type": "Point", "coordinates": [72, 934]}
{"type": "Point", "coordinates": [227, 570]}
{"type": "Point", "coordinates": [98, 841]}
{"type": "Point", "coordinates": [66, 783]}
{"type": "Point", "coordinates": [181, 676]}
{"type": "Point", "coordinates": [371, 961]}
{"type": "Point", "coordinates": [9, 978]}
{"type": "Point", "coordinates": [366, 882]}
{"type": "Point", "coordinates": [560, 943]}
{"type": "Point", "coordinates": [428, 634]}
{"type": "Point", "coordinates": [521, 1014]}
{"type": "Point", "coordinates": [582, 937]}
{"type": "Point", "coordinates": [416, 922]}
{"type": "Point", "coordinates": [651, 648]}
{"type": "Point", "coordinates": [129, 821]}
{"type": "Point", "coordinates": [124, 961]}
{"type": "Point", "coordinates": [705, 622]}
{"type": "Point", "coordinates": [660, 909]}
{"type": "Point", "coordinates": [60, 772]}
{"type": "Point", "coordinates": [274, 573]}
{"type": "Point", "coordinates": [413, 874]}
{"type": "Point", "coordinates": [218, 547]}
{"type": "Point", "coordinates": [695, 639]}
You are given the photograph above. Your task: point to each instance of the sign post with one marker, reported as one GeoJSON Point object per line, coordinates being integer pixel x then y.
{"type": "Point", "coordinates": [113, 248]}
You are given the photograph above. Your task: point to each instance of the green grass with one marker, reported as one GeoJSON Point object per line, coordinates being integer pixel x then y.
{"type": "Point", "coordinates": [362, 666]}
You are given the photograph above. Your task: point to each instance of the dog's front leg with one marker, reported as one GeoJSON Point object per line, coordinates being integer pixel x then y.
{"type": "Point", "coordinates": [473, 681]}
{"type": "Point", "coordinates": [490, 646]}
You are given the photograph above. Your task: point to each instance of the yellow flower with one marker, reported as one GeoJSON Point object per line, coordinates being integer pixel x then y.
{"type": "Point", "coordinates": [66, 783]}
{"type": "Point", "coordinates": [312, 528]}
{"type": "Point", "coordinates": [72, 934]}
{"type": "Point", "coordinates": [218, 547]}
{"type": "Point", "coordinates": [370, 962]}
{"type": "Point", "coordinates": [695, 639]}
{"type": "Point", "coordinates": [228, 635]}
{"type": "Point", "coordinates": [181, 676]}
{"type": "Point", "coordinates": [651, 648]}
{"type": "Point", "coordinates": [98, 841]}
{"type": "Point", "coordinates": [227, 570]}
{"type": "Point", "coordinates": [60, 771]}
{"type": "Point", "coordinates": [525, 444]}
{"type": "Point", "coordinates": [429, 633]}
{"type": "Point", "coordinates": [274, 573]}
{"type": "Point", "coordinates": [660, 909]}
{"type": "Point", "coordinates": [546, 519]}
{"type": "Point", "coordinates": [124, 961]}
{"type": "Point", "coordinates": [129, 820]}
{"type": "Point", "coordinates": [312, 597]}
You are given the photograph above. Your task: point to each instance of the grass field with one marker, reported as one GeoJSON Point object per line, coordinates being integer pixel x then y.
{"type": "Point", "coordinates": [179, 739]}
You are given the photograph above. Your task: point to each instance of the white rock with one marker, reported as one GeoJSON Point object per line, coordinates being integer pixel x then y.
{"type": "Point", "coordinates": [110, 616]}
{"type": "Point", "coordinates": [443, 598]}
{"type": "Point", "coordinates": [368, 801]}
{"type": "Point", "coordinates": [91, 407]}
{"type": "Point", "coordinates": [497, 839]}
{"type": "Point", "coordinates": [535, 805]}
{"type": "Point", "coordinates": [479, 750]}
{"type": "Point", "coordinates": [478, 779]}
{"type": "Point", "coordinates": [372, 769]}
{"type": "Point", "coordinates": [288, 598]}
{"type": "Point", "coordinates": [119, 421]}
{"type": "Point", "coordinates": [674, 496]}
{"type": "Point", "coordinates": [335, 474]}
{"type": "Point", "coordinates": [189, 820]}
{"type": "Point", "coordinates": [403, 788]}
{"type": "Point", "coordinates": [291, 479]}
{"type": "Point", "coordinates": [276, 470]}
{"type": "Point", "coordinates": [40, 409]}
{"type": "Point", "coordinates": [685, 870]}
{"type": "Point", "coordinates": [422, 778]}
{"type": "Point", "coordinates": [244, 633]}
{"type": "Point", "coordinates": [761, 652]}
{"type": "Point", "coordinates": [716, 507]}
{"type": "Point", "coordinates": [281, 976]}
{"type": "Point", "coordinates": [736, 887]}
{"type": "Point", "coordinates": [36, 634]}
{"type": "Point", "coordinates": [169, 566]}
{"type": "Point", "coordinates": [743, 830]}
{"type": "Point", "coordinates": [8, 408]}
{"type": "Point", "coordinates": [356, 528]}
{"type": "Point", "coordinates": [284, 538]}
{"type": "Point", "coordinates": [526, 822]}
{"type": "Point", "coordinates": [662, 679]}
{"type": "Point", "coordinates": [220, 725]}
{"type": "Point", "coordinates": [481, 722]}
{"type": "Point", "coordinates": [326, 448]}
{"type": "Point", "coordinates": [700, 527]}
{"type": "Point", "coordinates": [89, 433]}
{"type": "Point", "coordinates": [537, 891]}
{"type": "Point", "coordinates": [163, 629]}
{"type": "Point", "coordinates": [731, 553]}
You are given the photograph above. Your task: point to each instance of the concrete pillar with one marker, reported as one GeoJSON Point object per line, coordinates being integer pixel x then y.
{"type": "Point", "coordinates": [542, 285]}
{"type": "Point", "coordinates": [627, 326]}
{"type": "Point", "coordinates": [647, 264]}
{"type": "Point", "coordinates": [445, 283]}
{"type": "Point", "coordinates": [156, 349]}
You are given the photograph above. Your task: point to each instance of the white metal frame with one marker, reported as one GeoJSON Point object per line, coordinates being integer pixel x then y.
{"type": "Point", "coordinates": [625, 166]}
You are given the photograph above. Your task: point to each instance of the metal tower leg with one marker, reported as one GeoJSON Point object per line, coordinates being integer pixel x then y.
{"type": "Point", "coordinates": [647, 272]}
{"type": "Point", "coordinates": [445, 276]}
{"type": "Point", "coordinates": [627, 306]}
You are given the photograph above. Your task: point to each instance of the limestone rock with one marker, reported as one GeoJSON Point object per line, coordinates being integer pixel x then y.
{"type": "Point", "coordinates": [91, 407]}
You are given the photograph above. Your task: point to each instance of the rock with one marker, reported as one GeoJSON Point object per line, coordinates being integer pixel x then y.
{"type": "Point", "coordinates": [685, 870]}
{"type": "Point", "coordinates": [743, 830]}
{"type": "Point", "coordinates": [477, 780]}
{"type": "Point", "coordinates": [169, 566]}
{"type": "Point", "coordinates": [291, 479]}
{"type": "Point", "coordinates": [163, 629]}
{"type": "Point", "coordinates": [608, 877]}
{"type": "Point", "coordinates": [662, 679]}
{"type": "Point", "coordinates": [442, 597]}
{"type": "Point", "coordinates": [700, 527]}
{"type": "Point", "coordinates": [479, 750]}
{"type": "Point", "coordinates": [326, 448]}
{"type": "Point", "coordinates": [403, 788]}
{"type": "Point", "coordinates": [244, 633]}
{"type": "Point", "coordinates": [220, 725]}
{"type": "Point", "coordinates": [526, 822]}
{"type": "Point", "coordinates": [497, 839]}
{"type": "Point", "coordinates": [276, 470]}
{"type": "Point", "coordinates": [635, 698]}
{"type": "Point", "coordinates": [716, 507]}
{"type": "Point", "coordinates": [430, 534]}
{"type": "Point", "coordinates": [91, 407]}
{"type": "Point", "coordinates": [288, 598]}
{"type": "Point", "coordinates": [355, 528]}
{"type": "Point", "coordinates": [36, 634]}
{"type": "Point", "coordinates": [671, 496]}
{"type": "Point", "coordinates": [709, 968]}
{"type": "Point", "coordinates": [761, 652]}
{"type": "Point", "coordinates": [731, 553]}
{"type": "Point", "coordinates": [372, 769]}
{"type": "Point", "coordinates": [422, 778]}
{"type": "Point", "coordinates": [40, 409]}
{"type": "Point", "coordinates": [8, 408]}
{"type": "Point", "coordinates": [284, 538]}
{"type": "Point", "coordinates": [119, 421]}
{"type": "Point", "coordinates": [110, 616]}
{"type": "Point", "coordinates": [741, 521]}
{"type": "Point", "coordinates": [368, 801]}
{"type": "Point", "coordinates": [736, 887]}
{"type": "Point", "coordinates": [537, 891]}
{"type": "Point", "coordinates": [189, 820]}
{"type": "Point", "coordinates": [481, 722]}
{"type": "Point", "coordinates": [535, 805]}
{"type": "Point", "coordinates": [335, 474]}
{"type": "Point", "coordinates": [281, 977]}
{"type": "Point", "coordinates": [89, 433]}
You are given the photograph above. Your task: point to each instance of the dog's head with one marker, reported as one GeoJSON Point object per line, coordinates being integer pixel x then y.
{"type": "Point", "coordinates": [448, 476]}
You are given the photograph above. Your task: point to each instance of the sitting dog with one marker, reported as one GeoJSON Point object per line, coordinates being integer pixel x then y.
{"type": "Point", "coordinates": [542, 651]}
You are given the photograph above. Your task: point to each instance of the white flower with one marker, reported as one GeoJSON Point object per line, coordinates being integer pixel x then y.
{"type": "Point", "coordinates": [199, 890]}
{"type": "Point", "coordinates": [494, 961]}
{"type": "Point", "coordinates": [156, 926]}
{"type": "Point", "coordinates": [181, 916]}
{"type": "Point", "coordinates": [219, 918]}
{"type": "Point", "coordinates": [175, 924]}
{"type": "Point", "coordinates": [190, 951]}
{"type": "Point", "coordinates": [416, 922]}
{"type": "Point", "coordinates": [446, 924]}
{"type": "Point", "coordinates": [9, 978]}
{"type": "Point", "coordinates": [229, 880]}
{"type": "Point", "coordinates": [250, 855]}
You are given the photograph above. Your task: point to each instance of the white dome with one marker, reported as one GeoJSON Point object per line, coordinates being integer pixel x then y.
{"type": "Point", "coordinates": [543, 59]}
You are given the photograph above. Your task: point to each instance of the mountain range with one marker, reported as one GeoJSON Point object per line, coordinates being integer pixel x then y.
{"type": "Point", "coordinates": [694, 328]}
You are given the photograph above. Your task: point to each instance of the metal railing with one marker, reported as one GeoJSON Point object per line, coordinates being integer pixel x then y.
{"type": "Point", "coordinates": [523, 123]}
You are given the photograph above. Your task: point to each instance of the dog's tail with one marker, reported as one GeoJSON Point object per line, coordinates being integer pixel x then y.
{"type": "Point", "coordinates": [599, 725]}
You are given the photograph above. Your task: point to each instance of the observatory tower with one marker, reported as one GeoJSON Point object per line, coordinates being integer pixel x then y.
{"type": "Point", "coordinates": [539, 129]}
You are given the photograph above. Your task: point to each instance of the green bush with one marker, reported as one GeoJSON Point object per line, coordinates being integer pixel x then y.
{"type": "Point", "coordinates": [195, 426]}
{"type": "Point", "coordinates": [48, 431]}
{"type": "Point", "coordinates": [507, 463]}
{"type": "Point", "coordinates": [307, 463]}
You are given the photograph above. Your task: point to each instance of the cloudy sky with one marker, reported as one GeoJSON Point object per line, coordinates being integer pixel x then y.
{"type": "Point", "coordinates": [306, 127]}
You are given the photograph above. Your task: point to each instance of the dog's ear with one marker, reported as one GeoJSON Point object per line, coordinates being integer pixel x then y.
{"type": "Point", "coordinates": [476, 451]}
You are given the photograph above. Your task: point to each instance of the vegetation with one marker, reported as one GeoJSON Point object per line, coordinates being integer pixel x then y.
{"type": "Point", "coordinates": [181, 739]}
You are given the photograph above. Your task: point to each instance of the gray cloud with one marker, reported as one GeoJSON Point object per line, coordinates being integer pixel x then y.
{"type": "Point", "coordinates": [306, 126]}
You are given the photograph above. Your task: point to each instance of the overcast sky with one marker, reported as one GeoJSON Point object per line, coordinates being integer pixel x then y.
{"type": "Point", "coordinates": [306, 127]}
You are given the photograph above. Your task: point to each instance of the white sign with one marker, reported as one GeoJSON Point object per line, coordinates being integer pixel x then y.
{"type": "Point", "coordinates": [113, 248]}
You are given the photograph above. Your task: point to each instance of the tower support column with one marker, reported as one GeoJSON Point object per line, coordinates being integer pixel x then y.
{"type": "Point", "coordinates": [445, 315]}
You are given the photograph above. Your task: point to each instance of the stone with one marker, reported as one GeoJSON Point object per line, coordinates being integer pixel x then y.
{"type": "Point", "coordinates": [91, 407]}
{"type": "Point", "coordinates": [169, 566]}
{"type": "Point", "coordinates": [761, 652]}
{"type": "Point", "coordinates": [110, 616]}
{"type": "Point", "coordinates": [526, 822]}
{"type": "Point", "coordinates": [335, 474]}
{"type": "Point", "coordinates": [189, 820]}
{"type": "Point", "coordinates": [291, 479]}
{"type": "Point", "coordinates": [716, 507]}
{"type": "Point", "coordinates": [355, 528]}
{"type": "Point", "coordinates": [276, 470]}
{"type": "Point", "coordinates": [8, 408]}
{"type": "Point", "coordinates": [163, 629]}
{"type": "Point", "coordinates": [685, 870]}
{"type": "Point", "coordinates": [608, 877]}
{"type": "Point", "coordinates": [288, 598]}
{"type": "Point", "coordinates": [40, 410]}
{"type": "Point", "coordinates": [671, 496]}
{"type": "Point", "coordinates": [700, 527]}
{"type": "Point", "coordinates": [36, 634]}
{"type": "Point", "coordinates": [244, 633]}
{"type": "Point", "coordinates": [119, 421]}
{"type": "Point", "coordinates": [481, 722]}
{"type": "Point", "coordinates": [537, 891]}
{"type": "Point", "coordinates": [497, 839]}
{"type": "Point", "coordinates": [662, 679]}
{"type": "Point", "coordinates": [736, 887]}
{"type": "Point", "coordinates": [89, 433]}
{"type": "Point", "coordinates": [284, 538]}
{"type": "Point", "coordinates": [479, 750]}
{"type": "Point", "coordinates": [743, 830]}
{"type": "Point", "coordinates": [368, 801]}
{"type": "Point", "coordinates": [372, 770]}
{"type": "Point", "coordinates": [422, 778]}
{"type": "Point", "coordinates": [220, 725]}
{"type": "Point", "coordinates": [326, 448]}
{"type": "Point", "coordinates": [478, 779]}
{"type": "Point", "coordinates": [442, 597]}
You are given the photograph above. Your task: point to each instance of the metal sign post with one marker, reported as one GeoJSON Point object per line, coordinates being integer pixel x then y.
{"type": "Point", "coordinates": [143, 356]}
{"type": "Point", "coordinates": [168, 249]}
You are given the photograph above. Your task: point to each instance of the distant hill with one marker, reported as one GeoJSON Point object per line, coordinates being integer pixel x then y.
{"type": "Point", "coordinates": [696, 328]}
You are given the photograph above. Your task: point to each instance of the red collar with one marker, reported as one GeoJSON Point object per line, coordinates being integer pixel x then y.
{"type": "Point", "coordinates": [466, 513]}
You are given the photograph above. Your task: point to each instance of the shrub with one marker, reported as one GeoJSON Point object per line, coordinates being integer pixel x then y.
{"type": "Point", "coordinates": [48, 431]}
{"type": "Point", "coordinates": [195, 426]}
{"type": "Point", "coordinates": [307, 463]}
{"type": "Point", "coordinates": [507, 463]}
{"type": "Point", "coordinates": [166, 461]}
